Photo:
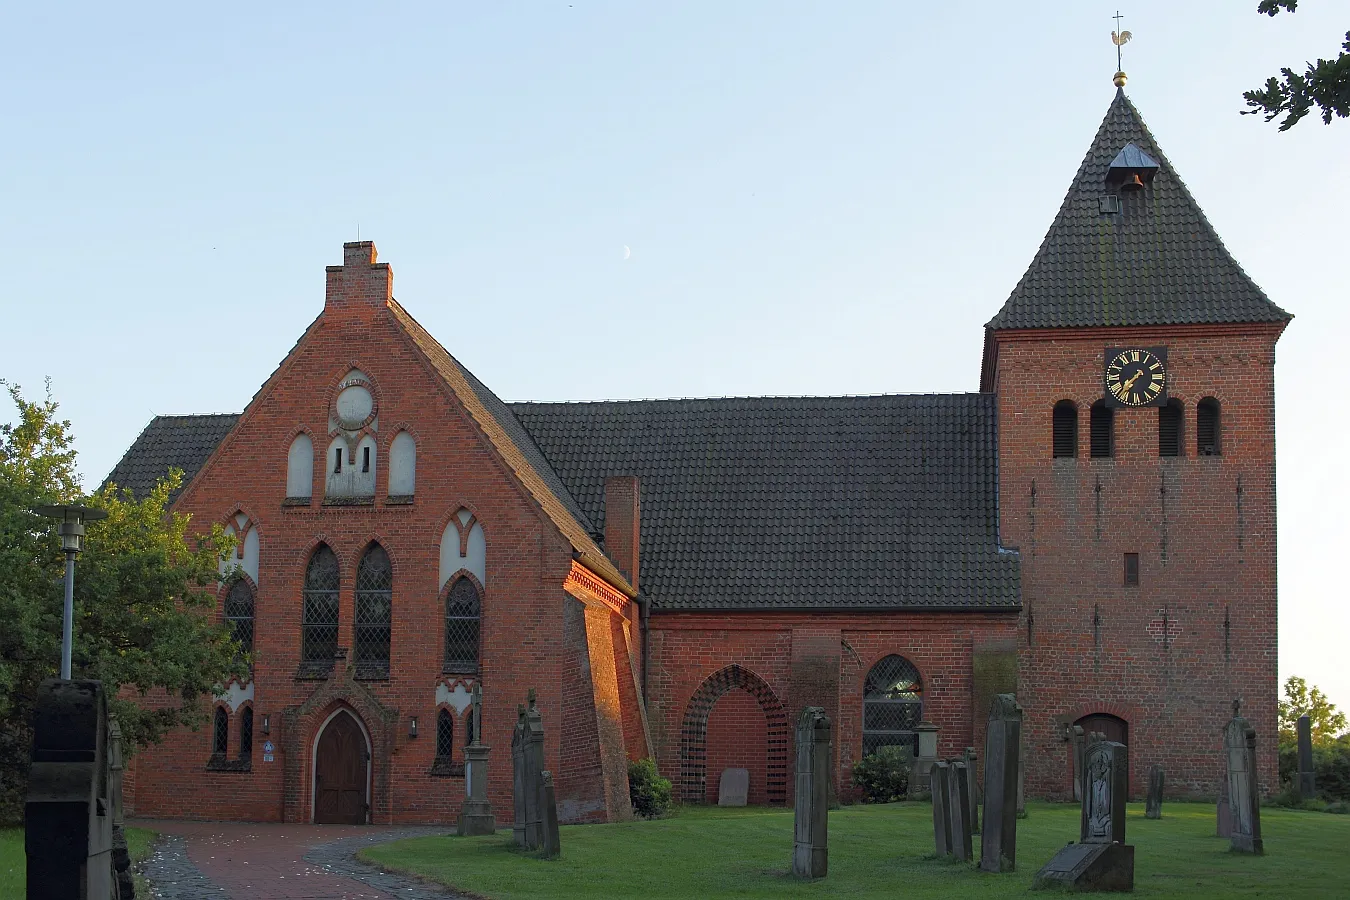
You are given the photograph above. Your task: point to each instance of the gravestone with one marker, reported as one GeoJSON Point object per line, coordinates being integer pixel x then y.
{"type": "Point", "coordinates": [1244, 795]}
{"type": "Point", "coordinates": [1223, 812]}
{"type": "Point", "coordinates": [1307, 780]}
{"type": "Point", "coordinates": [121, 857]}
{"type": "Point", "coordinates": [810, 854]}
{"type": "Point", "coordinates": [1156, 782]}
{"type": "Point", "coordinates": [1022, 779]}
{"type": "Point", "coordinates": [475, 815]}
{"type": "Point", "coordinates": [973, 789]}
{"type": "Point", "coordinates": [926, 735]}
{"type": "Point", "coordinates": [551, 844]}
{"type": "Point", "coordinates": [1002, 754]}
{"type": "Point", "coordinates": [534, 775]}
{"type": "Point", "coordinates": [518, 784]}
{"type": "Point", "coordinates": [939, 780]}
{"type": "Point", "coordinates": [734, 788]}
{"type": "Point", "coordinates": [1101, 860]}
{"type": "Point", "coordinates": [69, 816]}
{"type": "Point", "coordinates": [1078, 744]}
{"type": "Point", "coordinates": [958, 810]}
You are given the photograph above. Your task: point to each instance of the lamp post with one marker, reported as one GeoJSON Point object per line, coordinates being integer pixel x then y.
{"type": "Point", "coordinates": [71, 521]}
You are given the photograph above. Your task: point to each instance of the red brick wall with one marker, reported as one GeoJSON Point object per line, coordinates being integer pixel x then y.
{"type": "Point", "coordinates": [737, 731]}
{"type": "Point", "coordinates": [1206, 551]}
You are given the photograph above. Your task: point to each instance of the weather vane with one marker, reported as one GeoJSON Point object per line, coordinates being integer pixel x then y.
{"type": "Point", "coordinates": [1119, 38]}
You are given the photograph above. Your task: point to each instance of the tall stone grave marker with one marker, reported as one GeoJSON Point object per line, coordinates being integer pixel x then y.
{"type": "Point", "coordinates": [927, 736]}
{"type": "Point", "coordinates": [1101, 861]}
{"type": "Point", "coordinates": [939, 782]}
{"type": "Point", "coordinates": [534, 775]}
{"type": "Point", "coordinates": [121, 857]}
{"type": "Point", "coordinates": [958, 810]}
{"type": "Point", "coordinates": [973, 788]}
{"type": "Point", "coordinates": [811, 805]}
{"type": "Point", "coordinates": [1244, 796]}
{"type": "Point", "coordinates": [1223, 812]}
{"type": "Point", "coordinates": [552, 844]}
{"type": "Point", "coordinates": [518, 784]}
{"type": "Point", "coordinates": [68, 833]}
{"type": "Point", "coordinates": [1307, 779]}
{"type": "Point", "coordinates": [1078, 745]}
{"type": "Point", "coordinates": [475, 815]}
{"type": "Point", "coordinates": [1156, 783]}
{"type": "Point", "coordinates": [1002, 754]}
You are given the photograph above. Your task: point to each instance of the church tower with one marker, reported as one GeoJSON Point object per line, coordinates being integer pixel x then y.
{"type": "Point", "coordinates": [1133, 366]}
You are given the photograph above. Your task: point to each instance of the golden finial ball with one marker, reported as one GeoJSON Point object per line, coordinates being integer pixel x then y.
{"type": "Point", "coordinates": [1119, 80]}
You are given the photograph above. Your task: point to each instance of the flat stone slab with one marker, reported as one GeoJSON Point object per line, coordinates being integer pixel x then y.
{"type": "Point", "coordinates": [1089, 867]}
{"type": "Point", "coordinates": [734, 788]}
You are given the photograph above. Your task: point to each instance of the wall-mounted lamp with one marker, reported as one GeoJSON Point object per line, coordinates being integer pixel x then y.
{"type": "Point", "coordinates": [267, 724]}
{"type": "Point", "coordinates": [412, 727]}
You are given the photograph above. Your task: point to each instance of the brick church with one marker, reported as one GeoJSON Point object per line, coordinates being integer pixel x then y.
{"type": "Point", "coordinates": [1094, 529]}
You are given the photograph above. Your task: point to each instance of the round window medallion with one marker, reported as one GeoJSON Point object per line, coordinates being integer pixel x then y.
{"type": "Point", "coordinates": [354, 406]}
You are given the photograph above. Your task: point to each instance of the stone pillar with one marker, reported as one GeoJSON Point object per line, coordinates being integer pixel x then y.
{"type": "Point", "coordinates": [939, 782]}
{"type": "Point", "coordinates": [68, 833]}
{"type": "Point", "coordinates": [1156, 783]}
{"type": "Point", "coordinates": [810, 853]}
{"type": "Point", "coordinates": [1244, 795]}
{"type": "Point", "coordinates": [927, 756]}
{"type": "Point", "coordinates": [121, 857]}
{"type": "Point", "coordinates": [550, 842]}
{"type": "Point", "coordinates": [1307, 780]}
{"type": "Point", "coordinates": [973, 788]}
{"type": "Point", "coordinates": [1002, 757]}
{"type": "Point", "coordinates": [534, 776]}
{"type": "Point", "coordinates": [518, 782]}
{"type": "Point", "coordinates": [958, 810]}
{"type": "Point", "coordinates": [475, 815]}
{"type": "Point", "coordinates": [1078, 744]}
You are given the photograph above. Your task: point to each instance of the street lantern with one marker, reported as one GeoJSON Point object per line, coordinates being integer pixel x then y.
{"type": "Point", "coordinates": [71, 521]}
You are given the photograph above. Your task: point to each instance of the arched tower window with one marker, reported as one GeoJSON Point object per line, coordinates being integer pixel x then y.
{"type": "Point", "coordinates": [319, 628]}
{"type": "Point", "coordinates": [374, 612]}
{"type": "Point", "coordinates": [1103, 431]}
{"type": "Point", "coordinates": [220, 734]}
{"type": "Point", "coordinates": [1169, 429]}
{"type": "Point", "coordinates": [300, 468]}
{"type": "Point", "coordinates": [445, 734]}
{"type": "Point", "coordinates": [463, 612]}
{"type": "Point", "coordinates": [1207, 427]}
{"type": "Point", "coordinates": [239, 613]}
{"type": "Point", "coordinates": [892, 705]}
{"type": "Point", "coordinates": [246, 733]}
{"type": "Point", "coordinates": [1065, 438]}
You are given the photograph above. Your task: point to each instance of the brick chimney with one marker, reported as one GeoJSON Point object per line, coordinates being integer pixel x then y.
{"type": "Point", "coordinates": [360, 286]}
{"type": "Point", "coordinates": [622, 519]}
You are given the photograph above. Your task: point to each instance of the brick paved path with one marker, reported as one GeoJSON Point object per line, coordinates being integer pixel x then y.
{"type": "Point", "coordinates": [243, 861]}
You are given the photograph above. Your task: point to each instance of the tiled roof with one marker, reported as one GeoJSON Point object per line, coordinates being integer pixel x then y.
{"type": "Point", "coordinates": [184, 442]}
{"type": "Point", "coordinates": [805, 502]}
{"type": "Point", "coordinates": [1159, 262]}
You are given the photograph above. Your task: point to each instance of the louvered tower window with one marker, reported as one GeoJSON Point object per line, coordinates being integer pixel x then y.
{"type": "Point", "coordinates": [445, 734]}
{"type": "Point", "coordinates": [220, 733]}
{"type": "Point", "coordinates": [319, 628]}
{"type": "Point", "coordinates": [892, 705]}
{"type": "Point", "coordinates": [1169, 429]}
{"type": "Point", "coordinates": [239, 614]}
{"type": "Point", "coordinates": [1102, 428]}
{"type": "Point", "coordinates": [1207, 427]}
{"type": "Point", "coordinates": [374, 612]}
{"type": "Point", "coordinates": [246, 733]}
{"type": "Point", "coordinates": [463, 612]}
{"type": "Point", "coordinates": [1065, 437]}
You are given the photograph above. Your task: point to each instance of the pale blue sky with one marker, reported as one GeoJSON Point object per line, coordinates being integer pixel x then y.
{"type": "Point", "coordinates": [820, 199]}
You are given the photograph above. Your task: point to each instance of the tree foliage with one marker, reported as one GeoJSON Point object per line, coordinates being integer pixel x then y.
{"type": "Point", "coordinates": [1327, 722]}
{"type": "Point", "coordinates": [1325, 85]}
{"type": "Point", "coordinates": [144, 596]}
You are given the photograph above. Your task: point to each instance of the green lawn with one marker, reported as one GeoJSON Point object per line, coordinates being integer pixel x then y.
{"type": "Point", "coordinates": [875, 851]}
{"type": "Point", "coordinates": [14, 865]}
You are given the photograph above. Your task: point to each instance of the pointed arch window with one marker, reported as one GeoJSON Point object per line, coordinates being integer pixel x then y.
{"type": "Point", "coordinates": [445, 734]}
{"type": "Point", "coordinates": [246, 733]}
{"type": "Point", "coordinates": [892, 705]}
{"type": "Point", "coordinates": [463, 618]}
{"type": "Point", "coordinates": [220, 732]}
{"type": "Point", "coordinates": [319, 623]}
{"type": "Point", "coordinates": [239, 608]}
{"type": "Point", "coordinates": [1207, 427]}
{"type": "Point", "coordinates": [1103, 431]}
{"type": "Point", "coordinates": [1065, 437]}
{"type": "Point", "coordinates": [374, 613]}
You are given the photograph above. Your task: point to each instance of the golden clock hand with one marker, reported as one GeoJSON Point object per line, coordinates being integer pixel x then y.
{"type": "Point", "coordinates": [1125, 388]}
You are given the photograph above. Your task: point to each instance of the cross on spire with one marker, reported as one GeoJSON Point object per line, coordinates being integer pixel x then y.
{"type": "Point", "coordinates": [1119, 37]}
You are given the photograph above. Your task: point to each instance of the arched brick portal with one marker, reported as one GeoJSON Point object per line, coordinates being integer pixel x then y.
{"type": "Point", "coordinates": [694, 733]}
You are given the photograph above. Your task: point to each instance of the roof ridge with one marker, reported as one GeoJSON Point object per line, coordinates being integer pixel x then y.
{"type": "Point", "coordinates": [753, 397]}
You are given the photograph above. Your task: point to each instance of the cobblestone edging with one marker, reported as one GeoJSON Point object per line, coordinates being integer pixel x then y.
{"type": "Point", "coordinates": [339, 857]}
{"type": "Point", "coordinates": [173, 876]}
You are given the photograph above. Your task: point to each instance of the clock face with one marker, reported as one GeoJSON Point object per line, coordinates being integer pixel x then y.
{"type": "Point", "coordinates": [1136, 376]}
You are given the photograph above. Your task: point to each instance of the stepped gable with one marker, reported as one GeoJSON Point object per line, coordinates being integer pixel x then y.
{"type": "Point", "coordinates": [183, 442]}
{"type": "Point", "coordinates": [877, 502]}
{"type": "Point", "coordinates": [1158, 262]}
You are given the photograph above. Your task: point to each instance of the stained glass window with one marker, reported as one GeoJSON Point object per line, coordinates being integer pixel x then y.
{"type": "Point", "coordinates": [320, 616]}
{"type": "Point", "coordinates": [463, 612]}
{"type": "Point", "coordinates": [892, 705]}
{"type": "Point", "coordinates": [374, 612]}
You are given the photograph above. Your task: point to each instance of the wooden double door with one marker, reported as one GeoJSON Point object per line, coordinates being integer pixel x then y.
{"type": "Point", "coordinates": [341, 773]}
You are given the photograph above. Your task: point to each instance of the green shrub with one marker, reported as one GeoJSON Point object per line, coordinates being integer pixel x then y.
{"type": "Point", "coordinates": [1331, 766]}
{"type": "Point", "coordinates": [883, 776]}
{"type": "Point", "coordinates": [1339, 808]}
{"type": "Point", "coordinates": [648, 792]}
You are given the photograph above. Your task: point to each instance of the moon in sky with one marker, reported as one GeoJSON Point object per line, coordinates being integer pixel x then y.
{"type": "Point", "coordinates": [626, 252]}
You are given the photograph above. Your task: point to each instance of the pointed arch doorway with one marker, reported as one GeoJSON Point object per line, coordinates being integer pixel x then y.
{"type": "Point", "coordinates": [341, 771]}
